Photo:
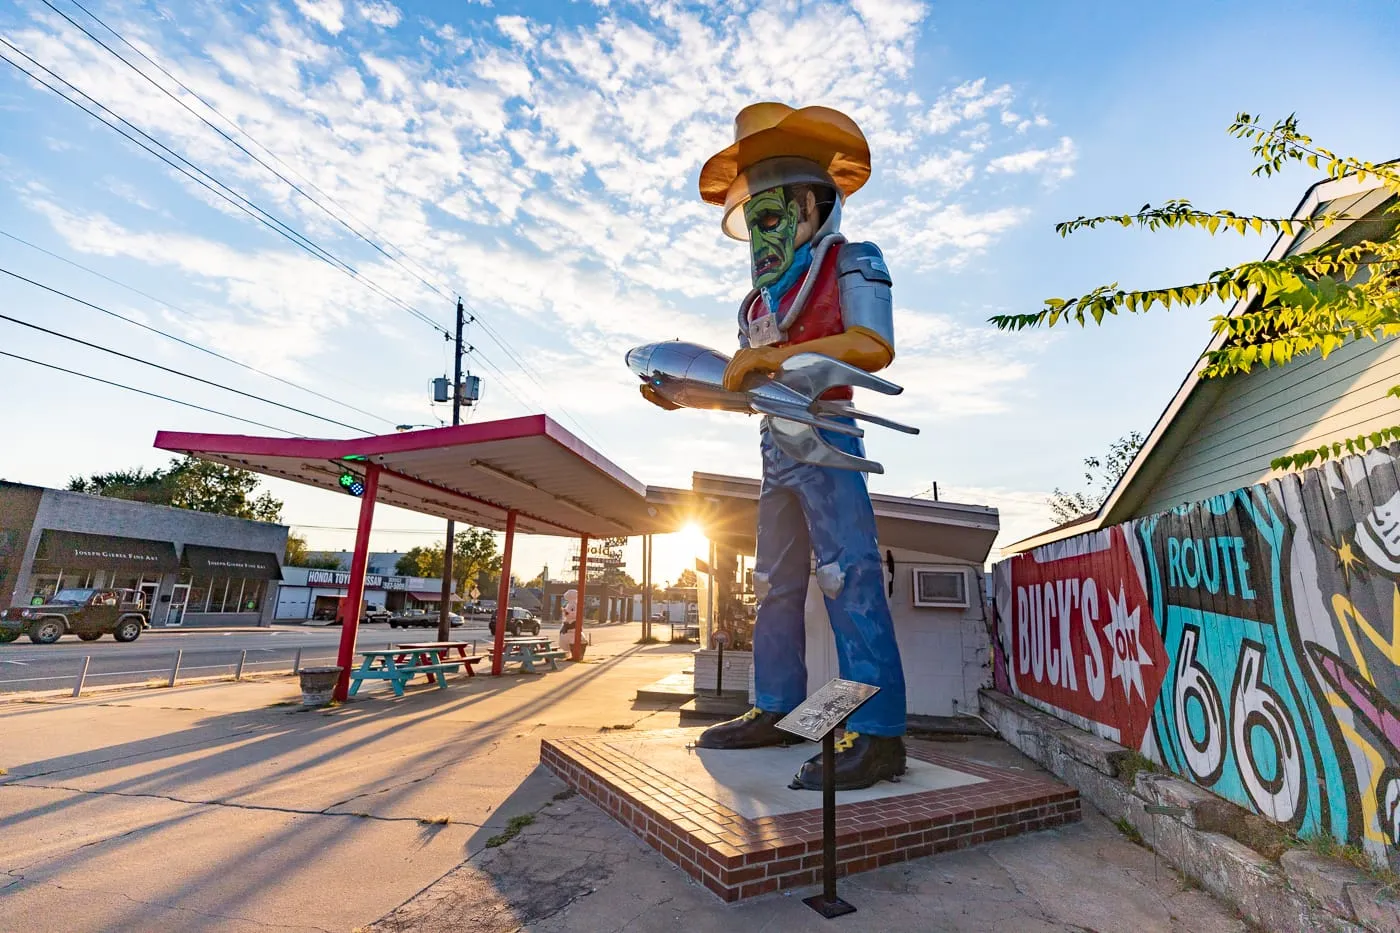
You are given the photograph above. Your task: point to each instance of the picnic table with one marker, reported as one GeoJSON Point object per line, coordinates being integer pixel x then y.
{"type": "Point", "coordinates": [443, 650]}
{"type": "Point", "coordinates": [385, 664]}
{"type": "Point", "coordinates": [529, 650]}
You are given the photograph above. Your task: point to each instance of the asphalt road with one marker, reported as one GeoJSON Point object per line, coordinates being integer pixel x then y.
{"type": "Point", "coordinates": [25, 666]}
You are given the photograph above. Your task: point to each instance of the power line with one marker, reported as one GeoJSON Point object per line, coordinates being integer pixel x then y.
{"type": "Point", "coordinates": [293, 185]}
{"type": "Point", "coordinates": [187, 313]}
{"type": "Point", "coordinates": [188, 343]}
{"type": "Point", "coordinates": [164, 398]}
{"type": "Point", "coordinates": [232, 197]}
{"type": "Point", "coordinates": [176, 372]}
{"type": "Point", "coordinates": [496, 337]}
{"type": "Point", "coordinates": [212, 184]}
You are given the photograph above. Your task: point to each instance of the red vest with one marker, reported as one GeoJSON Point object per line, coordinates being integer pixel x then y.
{"type": "Point", "coordinates": [819, 317]}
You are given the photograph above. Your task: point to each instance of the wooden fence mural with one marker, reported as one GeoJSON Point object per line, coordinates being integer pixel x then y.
{"type": "Point", "coordinates": [1249, 643]}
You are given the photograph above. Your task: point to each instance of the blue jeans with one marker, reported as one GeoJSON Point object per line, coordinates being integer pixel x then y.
{"type": "Point", "coordinates": [804, 509]}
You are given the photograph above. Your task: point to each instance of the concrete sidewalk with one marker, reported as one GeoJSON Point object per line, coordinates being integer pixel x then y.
{"type": "Point", "coordinates": [223, 807]}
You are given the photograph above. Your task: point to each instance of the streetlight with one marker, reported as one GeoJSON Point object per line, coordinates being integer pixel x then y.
{"type": "Point", "coordinates": [409, 427]}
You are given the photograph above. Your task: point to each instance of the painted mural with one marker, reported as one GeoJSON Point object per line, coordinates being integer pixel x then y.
{"type": "Point", "coordinates": [1249, 643]}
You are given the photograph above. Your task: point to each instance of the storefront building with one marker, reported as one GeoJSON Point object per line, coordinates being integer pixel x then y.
{"type": "Point", "coordinates": [311, 594]}
{"type": "Point", "coordinates": [193, 568]}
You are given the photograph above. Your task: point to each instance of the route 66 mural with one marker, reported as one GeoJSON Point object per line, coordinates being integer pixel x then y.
{"type": "Point", "coordinates": [1248, 643]}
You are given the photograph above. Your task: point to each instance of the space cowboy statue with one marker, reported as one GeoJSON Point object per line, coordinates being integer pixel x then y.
{"type": "Point", "coordinates": [818, 322]}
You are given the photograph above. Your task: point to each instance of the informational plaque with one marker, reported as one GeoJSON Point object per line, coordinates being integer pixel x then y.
{"type": "Point", "coordinates": [822, 711]}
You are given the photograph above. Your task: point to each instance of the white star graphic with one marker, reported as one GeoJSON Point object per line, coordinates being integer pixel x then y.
{"type": "Point", "coordinates": [1129, 656]}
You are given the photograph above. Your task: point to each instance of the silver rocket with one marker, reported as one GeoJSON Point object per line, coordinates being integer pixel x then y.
{"type": "Point", "coordinates": [692, 376]}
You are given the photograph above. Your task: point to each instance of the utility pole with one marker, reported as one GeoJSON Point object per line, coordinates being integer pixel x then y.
{"type": "Point", "coordinates": [444, 622]}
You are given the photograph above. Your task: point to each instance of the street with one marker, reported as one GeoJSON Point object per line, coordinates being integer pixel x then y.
{"type": "Point", "coordinates": [25, 666]}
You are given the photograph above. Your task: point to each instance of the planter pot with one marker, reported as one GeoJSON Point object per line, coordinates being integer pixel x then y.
{"type": "Point", "coordinates": [317, 685]}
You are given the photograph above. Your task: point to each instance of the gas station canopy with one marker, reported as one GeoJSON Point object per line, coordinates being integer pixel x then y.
{"type": "Point", "coordinates": [475, 473]}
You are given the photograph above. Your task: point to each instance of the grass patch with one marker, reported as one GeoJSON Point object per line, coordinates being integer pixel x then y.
{"type": "Point", "coordinates": [3, 772]}
{"type": "Point", "coordinates": [1327, 846]}
{"type": "Point", "coordinates": [440, 820]}
{"type": "Point", "coordinates": [361, 814]}
{"type": "Point", "coordinates": [1129, 830]}
{"type": "Point", "coordinates": [153, 684]}
{"type": "Point", "coordinates": [647, 640]}
{"type": "Point", "coordinates": [287, 703]}
{"type": "Point", "coordinates": [513, 828]}
{"type": "Point", "coordinates": [564, 794]}
{"type": "Point", "coordinates": [1131, 764]}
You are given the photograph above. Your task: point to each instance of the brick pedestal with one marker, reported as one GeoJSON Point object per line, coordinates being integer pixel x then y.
{"type": "Point", "coordinates": [737, 856]}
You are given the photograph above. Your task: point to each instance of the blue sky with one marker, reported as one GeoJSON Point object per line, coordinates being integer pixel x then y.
{"type": "Point", "coordinates": [541, 160]}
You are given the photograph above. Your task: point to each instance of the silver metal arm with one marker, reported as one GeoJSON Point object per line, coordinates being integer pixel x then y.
{"type": "Point", "coordinates": [692, 376]}
{"type": "Point", "coordinates": [864, 281]}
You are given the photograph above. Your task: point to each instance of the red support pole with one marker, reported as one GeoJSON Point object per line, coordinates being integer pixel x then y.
{"type": "Point", "coordinates": [355, 595]}
{"type": "Point", "coordinates": [503, 597]}
{"type": "Point", "coordinates": [582, 598]}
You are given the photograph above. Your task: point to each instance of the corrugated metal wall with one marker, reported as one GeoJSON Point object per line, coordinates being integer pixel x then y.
{"type": "Point", "coordinates": [1248, 642]}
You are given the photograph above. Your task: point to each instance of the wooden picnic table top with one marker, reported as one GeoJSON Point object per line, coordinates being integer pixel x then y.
{"type": "Point", "coordinates": [432, 645]}
{"type": "Point", "coordinates": [528, 640]}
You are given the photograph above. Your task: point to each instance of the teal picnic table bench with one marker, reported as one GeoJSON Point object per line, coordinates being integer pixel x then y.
{"type": "Point", "coordinates": [385, 664]}
{"type": "Point", "coordinates": [530, 651]}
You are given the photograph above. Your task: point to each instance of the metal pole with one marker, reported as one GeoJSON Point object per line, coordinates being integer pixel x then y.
{"type": "Point", "coordinates": [359, 563]}
{"type": "Point", "coordinates": [719, 668]}
{"type": "Point", "coordinates": [296, 664]}
{"type": "Point", "coordinates": [498, 659]}
{"type": "Point", "coordinates": [175, 668]}
{"type": "Point", "coordinates": [445, 623]}
{"type": "Point", "coordinates": [646, 587]}
{"type": "Point", "coordinates": [242, 659]}
{"type": "Point", "coordinates": [582, 597]}
{"type": "Point", "coordinates": [827, 903]}
{"type": "Point", "coordinates": [82, 677]}
{"type": "Point", "coordinates": [829, 816]}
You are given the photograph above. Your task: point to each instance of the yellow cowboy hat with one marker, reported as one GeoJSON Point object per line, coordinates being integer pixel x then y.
{"type": "Point", "coordinates": [766, 130]}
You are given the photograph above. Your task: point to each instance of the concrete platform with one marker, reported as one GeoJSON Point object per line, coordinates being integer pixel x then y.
{"type": "Point", "coordinates": [728, 820]}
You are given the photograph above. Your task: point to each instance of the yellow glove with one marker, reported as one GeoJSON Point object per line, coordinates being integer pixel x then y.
{"type": "Point", "coordinates": [751, 360]}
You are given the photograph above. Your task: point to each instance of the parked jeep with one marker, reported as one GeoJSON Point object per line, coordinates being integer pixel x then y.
{"type": "Point", "coordinates": [87, 613]}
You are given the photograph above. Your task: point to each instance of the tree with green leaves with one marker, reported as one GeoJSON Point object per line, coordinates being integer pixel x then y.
{"type": "Point", "coordinates": [476, 559]}
{"type": "Point", "coordinates": [1307, 302]}
{"type": "Point", "coordinates": [1101, 474]}
{"type": "Point", "coordinates": [187, 483]}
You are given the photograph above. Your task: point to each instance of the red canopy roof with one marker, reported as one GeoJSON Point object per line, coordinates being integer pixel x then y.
{"type": "Point", "coordinates": [475, 473]}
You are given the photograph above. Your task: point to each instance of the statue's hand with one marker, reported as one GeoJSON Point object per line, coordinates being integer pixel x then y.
{"type": "Point", "coordinates": [750, 360]}
{"type": "Point", "coordinates": [651, 395]}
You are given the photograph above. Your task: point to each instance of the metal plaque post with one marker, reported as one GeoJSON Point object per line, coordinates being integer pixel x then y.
{"type": "Point", "coordinates": [816, 718]}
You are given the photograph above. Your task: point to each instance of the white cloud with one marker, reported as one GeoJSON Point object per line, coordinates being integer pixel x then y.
{"type": "Point", "coordinates": [1053, 163]}
{"type": "Point", "coordinates": [948, 170]}
{"type": "Point", "coordinates": [328, 14]}
{"type": "Point", "coordinates": [546, 170]}
{"type": "Point", "coordinates": [967, 101]}
{"type": "Point", "coordinates": [921, 235]}
{"type": "Point", "coordinates": [381, 13]}
{"type": "Point", "coordinates": [517, 30]}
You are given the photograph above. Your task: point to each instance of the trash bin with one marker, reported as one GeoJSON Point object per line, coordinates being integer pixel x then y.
{"type": "Point", "coordinates": [318, 684]}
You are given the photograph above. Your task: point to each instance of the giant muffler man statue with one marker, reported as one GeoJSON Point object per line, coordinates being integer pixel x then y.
{"type": "Point", "coordinates": [818, 321]}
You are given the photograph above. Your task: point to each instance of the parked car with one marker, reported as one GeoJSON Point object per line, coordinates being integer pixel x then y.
{"type": "Point", "coordinates": [372, 612]}
{"type": "Point", "coordinates": [420, 619]}
{"type": "Point", "coordinates": [518, 620]}
{"type": "Point", "coordinates": [87, 613]}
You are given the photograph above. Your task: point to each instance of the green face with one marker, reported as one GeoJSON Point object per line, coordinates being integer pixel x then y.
{"type": "Point", "coordinates": [772, 219]}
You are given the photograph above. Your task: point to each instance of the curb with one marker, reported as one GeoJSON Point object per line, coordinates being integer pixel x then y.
{"type": "Point", "coordinates": [1301, 892]}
